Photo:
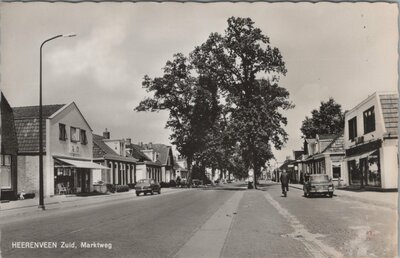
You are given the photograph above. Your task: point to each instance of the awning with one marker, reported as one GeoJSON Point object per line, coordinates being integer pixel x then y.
{"type": "Point", "coordinates": [82, 163]}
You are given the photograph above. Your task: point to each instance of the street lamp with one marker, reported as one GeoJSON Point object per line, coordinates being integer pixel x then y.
{"type": "Point", "coordinates": [41, 192]}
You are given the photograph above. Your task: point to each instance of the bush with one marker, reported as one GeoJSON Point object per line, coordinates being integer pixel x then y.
{"type": "Point", "coordinates": [131, 186]}
{"type": "Point", "coordinates": [122, 188]}
{"type": "Point", "coordinates": [164, 185]}
{"type": "Point", "coordinates": [111, 188]}
{"type": "Point", "coordinates": [172, 183]}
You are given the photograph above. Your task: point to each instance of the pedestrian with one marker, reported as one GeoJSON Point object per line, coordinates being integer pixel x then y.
{"type": "Point", "coordinates": [284, 182]}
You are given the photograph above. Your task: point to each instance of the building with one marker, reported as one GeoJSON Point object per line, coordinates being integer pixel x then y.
{"type": "Point", "coordinates": [148, 164]}
{"type": "Point", "coordinates": [180, 167]}
{"type": "Point", "coordinates": [68, 149]}
{"type": "Point", "coordinates": [9, 150]}
{"type": "Point", "coordinates": [371, 141]}
{"type": "Point", "coordinates": [112, 154]}
{"type": "Point", "coordinates": [325, 155]}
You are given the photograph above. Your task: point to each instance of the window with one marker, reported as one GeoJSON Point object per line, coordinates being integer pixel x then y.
{"type": "Point", "coordinates": [352, 128]}
{"type": "Point", "coordinates": [83, 137]}
{"type": "Point", "coordinates": [74, 134]}
{"type": "Point", "coordinates": [5, 171]}
{"type": "Point", "coordinates": [369, 120]}
{"type": "Point", "coordinates": [336, 171]}
{"type": "Point", "coordinates": [63, 132]}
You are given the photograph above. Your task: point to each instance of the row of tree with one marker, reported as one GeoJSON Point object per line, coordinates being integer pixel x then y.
{"type": "Point", "coordinates": [225, 105]}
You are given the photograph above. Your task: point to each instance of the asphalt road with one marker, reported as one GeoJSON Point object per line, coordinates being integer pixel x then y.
{"type": "Point", "coordinates": [208, 223]}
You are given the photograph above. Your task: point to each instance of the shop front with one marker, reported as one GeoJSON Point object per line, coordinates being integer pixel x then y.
{"type": "Point", "coordinates": [73, 176]}
{"type": "Point", "coordinates": [364, 164]}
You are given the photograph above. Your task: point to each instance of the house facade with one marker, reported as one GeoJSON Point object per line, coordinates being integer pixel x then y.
{"type": "Point", "coordinates": [148, 166]}
{"type": "Point", "coordinates": [112, 154]}
{"type": "Point", "coordinates": [68, 149]}
{"type": "Point", "coordinates": [9, 150]}
{"type": "Point", "coordinates": [325, 155]}
{"type": "Point", "coordinates": [371, 141]}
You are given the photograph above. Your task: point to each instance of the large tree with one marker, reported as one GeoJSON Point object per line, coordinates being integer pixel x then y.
{"type": "Point", "coordinates": [188, 100]}
{"type": "Point", "coordinates": [328, 119]}
{"type": "Point", "coordinates": [247, 71]}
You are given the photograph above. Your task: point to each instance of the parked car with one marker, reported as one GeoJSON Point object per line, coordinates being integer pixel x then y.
{"type": "Point", "coordinates": [196, 183]}
{"type": "Point", "coordinates": [147, 186]}
{"type": "Point", "coordinates": [318, 184]}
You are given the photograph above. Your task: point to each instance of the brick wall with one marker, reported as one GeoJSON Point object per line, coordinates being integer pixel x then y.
{"type": "Point", "coordinates": [28, 176]}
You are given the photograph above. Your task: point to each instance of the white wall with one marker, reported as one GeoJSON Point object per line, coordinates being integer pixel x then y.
{"type": "Point", "coordinates": [358, 112]}
{"type": "Point", "coordinates": [389, 165]}
{"type": "Point", "coordinates": [71, 117]}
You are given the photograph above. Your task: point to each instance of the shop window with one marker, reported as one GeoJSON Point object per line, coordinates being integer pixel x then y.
{"type": "Point", "coordinates": [5, 171]}
{"type": "Point", "coordinates": [83, 137]}
{"type": "Point", "coordinates": [74, 134]}
{"type": "Point", "coordinates": [369, 120]}
{"type": "Point", "coordinates": [374, 172]}
{"type": "Point", "coordinates": [354, 172]}
{"type": "Point", "coordinates": [352, 128]}
{"type": "Point", "coordinates": [62, 132]}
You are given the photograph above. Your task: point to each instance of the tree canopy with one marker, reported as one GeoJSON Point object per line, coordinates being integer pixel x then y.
{"type": "Point", "coordinates": [329, 119]}
{"type": "Point", "coordinates": [225, 98]}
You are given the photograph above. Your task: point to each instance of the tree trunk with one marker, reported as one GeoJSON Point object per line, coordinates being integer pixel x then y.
{"type": "Point", "coordinates": [189, 165]}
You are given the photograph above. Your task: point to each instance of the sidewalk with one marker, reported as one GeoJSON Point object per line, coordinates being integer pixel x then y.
{"type": "Point", "coordinates": [386, 199]}
{"type": "Point", "coordinates": [62, 201]}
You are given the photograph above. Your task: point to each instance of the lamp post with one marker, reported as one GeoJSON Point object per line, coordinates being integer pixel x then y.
{"type": "Point", "coordinates": [41, 191]}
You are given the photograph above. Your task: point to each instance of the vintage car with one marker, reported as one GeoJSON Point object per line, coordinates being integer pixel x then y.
{"type": "Point", "coordinates": [147, 186]}
{"type": "Point", "coordinates": [318, 184]}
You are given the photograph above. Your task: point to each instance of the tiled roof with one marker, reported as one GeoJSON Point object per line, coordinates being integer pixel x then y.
{"type": "Point", "coordinates": [100, 148]}
{"type": "Point", "coordinates": [336, 145]}
{"type": "Point", "coordinates": [136, 153]}
{"type": "Point", "coordinates": [27, 126]}
{"type": "Point", "coordinates": [33, 111]}
{"type": "Point", "coordinates": [164, 152]}
{"type": "Point", "coordinates": [389, 104]}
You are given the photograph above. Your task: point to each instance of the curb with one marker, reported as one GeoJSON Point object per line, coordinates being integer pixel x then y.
{"type": "Point", "coordinates": [360, 199]}
{"type": "Point", "coordinates": [95, 201]}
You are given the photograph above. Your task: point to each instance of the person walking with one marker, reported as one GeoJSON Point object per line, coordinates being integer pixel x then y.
{"type": "Point", "coordinates": [284, 182]}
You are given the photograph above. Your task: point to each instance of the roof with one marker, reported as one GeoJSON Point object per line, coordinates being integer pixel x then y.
{"type": "Point", "coordinates": [336, 145]}
{"type": "Point", "coordinates": [389, 105]}
{"type": "Point", "coordinates": [164, 152]}
{"type": "Point", "coordinates": [297, 154]}
{"type": "Point", "coordinates": [136, 153]}
{"type": "Point", "coordinates": [311, 141]}
{"type": "Point", "coordinates": [27, 126]}
{"type": "Point", "coordinates": [100, 148]}
{"type": "Point", "coordinates": [33, 111]}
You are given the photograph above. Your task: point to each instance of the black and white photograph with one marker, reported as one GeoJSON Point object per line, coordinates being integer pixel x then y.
{"type": "Point", "coordinates": [199, 129]}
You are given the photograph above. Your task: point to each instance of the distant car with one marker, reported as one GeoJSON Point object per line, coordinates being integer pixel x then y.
{"type": "Point", "coordinates": [196, 183]}
{"type": "Point", "coordinates": [147, 186]}
{"type": "Point", "coordinates": [318, 184]}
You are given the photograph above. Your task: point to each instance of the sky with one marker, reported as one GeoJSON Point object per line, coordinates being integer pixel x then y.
{"type": "Point", "coordinates": [345, 50]}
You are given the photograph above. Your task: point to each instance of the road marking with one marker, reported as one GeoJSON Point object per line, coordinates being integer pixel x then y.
{"type": "Point", "coordinates": [314, 246]}
{"type": "Point", "coordinates": [209, 240]}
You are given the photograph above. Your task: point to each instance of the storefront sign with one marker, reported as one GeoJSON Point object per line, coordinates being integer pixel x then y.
{"type": "Point", "coordinates": [371, 146]}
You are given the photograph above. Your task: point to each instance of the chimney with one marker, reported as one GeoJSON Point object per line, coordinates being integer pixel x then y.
{"type": "Point", "coordinates": [106, 134]}
{"type": "Point", "coordinates": [150, 145]}
{"type": "Point", "coordinates": [128, 141]}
